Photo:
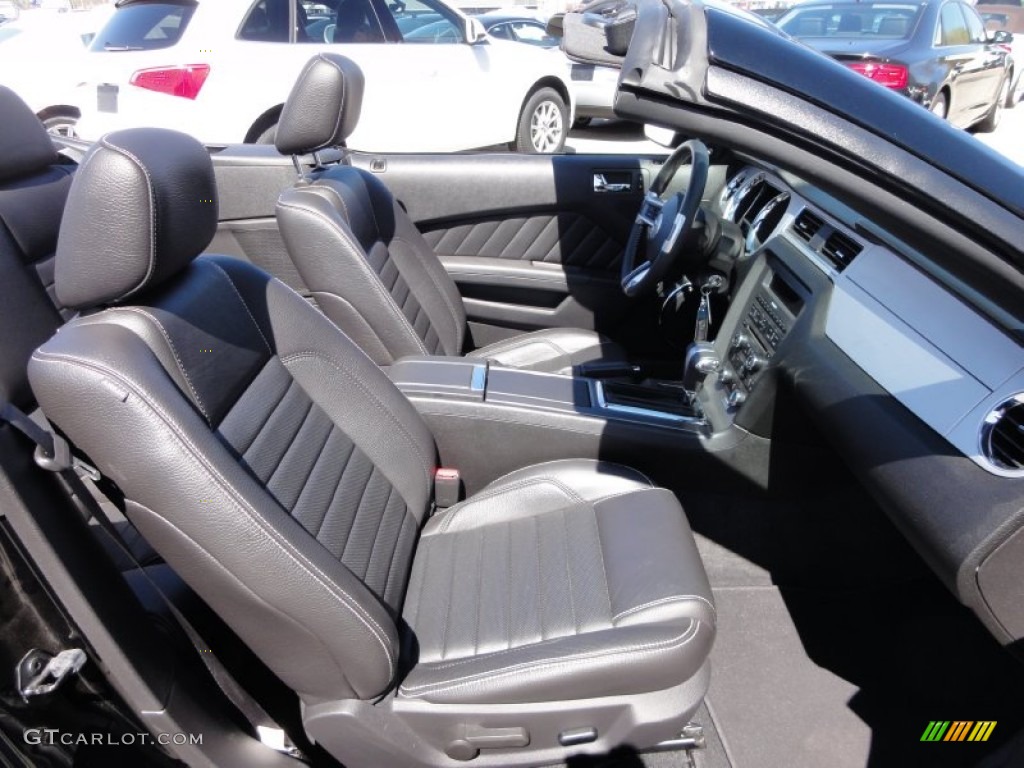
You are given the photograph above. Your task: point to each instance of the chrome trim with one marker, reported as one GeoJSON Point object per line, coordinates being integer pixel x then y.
{"type": "Point", "coordinates": [631, 410]}
{"type": "Point", "coordinates": [744, 189]}
{"type": "Point", "coordinates": [992, 418]}
{"type": "Point", "coordinates": [478, 379]}
{"type": "Point", "coordinates": [753, 240]}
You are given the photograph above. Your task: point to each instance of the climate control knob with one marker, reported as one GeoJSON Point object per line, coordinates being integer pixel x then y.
{"type": "Point", "coordinates": [741, 341]}
{"type": "Point", "coordinates": [754, 363]}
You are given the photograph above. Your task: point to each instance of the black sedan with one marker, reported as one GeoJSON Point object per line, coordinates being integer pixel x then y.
{"type": "Point", "coordinates": [936, 52]}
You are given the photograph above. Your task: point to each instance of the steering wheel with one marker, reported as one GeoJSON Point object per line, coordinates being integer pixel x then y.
{"type": "Point", "coordinates": [664, 224]}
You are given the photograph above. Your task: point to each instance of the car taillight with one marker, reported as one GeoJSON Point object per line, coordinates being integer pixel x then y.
{"type": "Point", "coordinates": [889, 75]}
{"type": "Point", "coordinates": [183, 81]}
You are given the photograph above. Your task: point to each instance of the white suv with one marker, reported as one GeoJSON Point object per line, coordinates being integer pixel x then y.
{"type": "Point", "coordinates": [221, 69]}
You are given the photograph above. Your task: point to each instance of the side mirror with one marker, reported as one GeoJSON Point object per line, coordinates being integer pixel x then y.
{"type": "Point", "coordinates": [475, 32]}
{"type": "Point", "coordinates": [1000, 37]}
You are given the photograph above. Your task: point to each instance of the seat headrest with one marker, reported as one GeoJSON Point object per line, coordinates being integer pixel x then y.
{"type": "Point", "coordinates": [143, 205]}
{"type": "Point", "coordinates": [323, 108]}
{"type": "Point", "coordinates": [25, 146]}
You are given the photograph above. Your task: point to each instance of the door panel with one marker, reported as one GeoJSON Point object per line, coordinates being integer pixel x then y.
{"type": "Point", "coordinates": [529, 240]}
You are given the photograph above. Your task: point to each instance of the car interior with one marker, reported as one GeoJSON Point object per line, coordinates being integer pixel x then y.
{"type": "Point", "coordinates": [708, 458]}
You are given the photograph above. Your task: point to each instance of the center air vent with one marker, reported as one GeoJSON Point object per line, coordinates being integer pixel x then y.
{"type": "Point", "coordinates": [1002, 435]}
{"type": "Point", "coordinates": [840, 249]}
{"type": "Point", "coordinates": [807, 225]}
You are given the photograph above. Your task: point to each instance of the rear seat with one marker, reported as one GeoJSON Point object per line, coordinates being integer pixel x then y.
{"type": "Point", "coordinates": [34, 185]}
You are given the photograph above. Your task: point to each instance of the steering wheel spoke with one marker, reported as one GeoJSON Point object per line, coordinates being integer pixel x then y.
{"type": "Point", "coordinates": [650, 210]}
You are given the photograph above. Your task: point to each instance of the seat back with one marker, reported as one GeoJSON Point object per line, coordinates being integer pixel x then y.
{"type": "Point", "coordinates": [366, 264]}
{"type": "Point", "coordinates": [33, 189]}
{"type": "Point", "coordinates": [266, 458]}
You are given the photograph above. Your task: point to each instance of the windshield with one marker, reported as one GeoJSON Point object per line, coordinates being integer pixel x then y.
{"type": "Point", "coordinates": [856, 20]}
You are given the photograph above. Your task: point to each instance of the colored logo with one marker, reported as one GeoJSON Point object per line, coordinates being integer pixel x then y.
{"type": "Point", "coordinates": [958, 730]}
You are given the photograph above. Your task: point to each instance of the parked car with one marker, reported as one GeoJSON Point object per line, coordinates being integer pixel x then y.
{"type": "Point", "coordinates": [514, 24]}
{"type": "Point", "coordinates": [936, 52]}
{"type": "Point", "coordinates": [593, 86]}
{"type": "Point", "coordinates": [394, 466]}
{"type": "Point", "coordinates": [1008, 19]}
{"type": "Point", "coordinates": [9, 11]}
{"type": "Point", "coordinates": [220, 69]}
{"type": "Point", "coordinates": [41, 57]}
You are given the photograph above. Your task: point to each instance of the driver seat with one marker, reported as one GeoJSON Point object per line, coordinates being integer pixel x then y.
{"type": "Point", "coordinates": [367, 266]}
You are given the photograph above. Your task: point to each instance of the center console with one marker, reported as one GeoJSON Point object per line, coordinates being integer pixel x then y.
{"type": "Point", "coordinates": [657, 426]}
{"type": "Point", "coordinates": [774, 299]}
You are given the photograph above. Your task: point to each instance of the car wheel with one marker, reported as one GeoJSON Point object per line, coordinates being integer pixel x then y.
{"type": "Point", "coordinates": [1011, 93]}
{"type": "Point", "coordinates": [268, 135]}
{"type": "Point", "coordinates": [61, 125]}
{"type": "Point", "coordinates": [940, 105]}
{"type": "Point", "coordinates": [542, 123]}
{"type": "Point", "coordinates": [991, 121]}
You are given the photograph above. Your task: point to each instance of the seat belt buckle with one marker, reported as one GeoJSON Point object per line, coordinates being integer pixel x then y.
{"type": "Point", "coordinates": [447, 487]}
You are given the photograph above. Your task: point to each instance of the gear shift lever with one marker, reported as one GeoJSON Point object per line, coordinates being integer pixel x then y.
{"type": "Point", "coordinates": [701, 359]}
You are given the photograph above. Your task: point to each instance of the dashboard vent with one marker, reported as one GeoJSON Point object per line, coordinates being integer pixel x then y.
{"type": "Point", "coordinates": [807, 225]}
{"type": "Point", "coordinates": [1002, 435]}
{"type": "Point", "coordinates": [840, 249]}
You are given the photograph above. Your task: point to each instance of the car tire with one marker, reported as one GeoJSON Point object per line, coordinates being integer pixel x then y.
{"type": "Point", "coordinates": [543, 123]}
{"type": "Point", "coordinates": [991, 121]}
{"type": "Point", "coordinates": [940, 105]}
{"type": "Point", "coordinates": [61, 125]}
{"type": "Point", "coordinates": [268, 135]}
{"type": "Point", "coordinates": [1011, 93]}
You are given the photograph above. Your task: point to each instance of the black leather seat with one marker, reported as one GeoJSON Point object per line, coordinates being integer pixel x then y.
{"type": "Point", "coordinates": [367, 266]}
{"type": "Point", "coordinates": [285, 478]}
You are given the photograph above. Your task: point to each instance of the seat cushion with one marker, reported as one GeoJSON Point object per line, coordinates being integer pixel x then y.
{"type": "Point", "coordinates": [567, 580]}
{"type": "Point", "coordinates": [555, 350]}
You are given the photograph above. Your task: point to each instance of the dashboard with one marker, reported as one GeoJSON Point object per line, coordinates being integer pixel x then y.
{"type": "Point", "coordinates": [946, 363]}
{"type": "Point", "coordinates": [922, 395]}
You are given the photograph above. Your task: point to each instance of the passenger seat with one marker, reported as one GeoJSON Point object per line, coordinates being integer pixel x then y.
{"type": "Point", "coordinates": [279, 471]}
{"type": "Point", "coordinates": [367, 266]}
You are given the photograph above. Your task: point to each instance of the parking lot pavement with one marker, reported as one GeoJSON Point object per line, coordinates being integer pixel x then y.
{"type": "Point", "coordinates": [617, 137]}
{"type": "Point", "coordinates": [612, 137]}
{"type": "Point", "coordinates": [1009, 137]}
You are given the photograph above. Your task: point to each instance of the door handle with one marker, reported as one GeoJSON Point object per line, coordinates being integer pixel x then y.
{"type": "Point", "coordinates": [601, 184]}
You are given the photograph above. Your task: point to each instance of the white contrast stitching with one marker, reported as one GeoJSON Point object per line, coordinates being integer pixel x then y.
{"type": "Point", "coordinates": [362, 259]}
{"type": "Point", "coordinates": [245, 306]}
{"type": "Point", "coordinates": [678, 641]}
{"type": "Point", "coordinates": [152, 213]}
{"type": "Point", "coordinates": [662, 601]}
{"type": "Point", "coordinates": [311, 354]}
{"type": "Point", "coordinates": [295, 555]}
{"type": "Point", "coordinates": [174, 352]}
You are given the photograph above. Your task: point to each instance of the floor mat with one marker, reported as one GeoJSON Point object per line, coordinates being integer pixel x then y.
{"type": "Point", "coordinates": [805, 679]}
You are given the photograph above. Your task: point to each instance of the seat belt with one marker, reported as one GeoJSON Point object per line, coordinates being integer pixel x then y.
{"type": "Point", "coordinates": [53, 453]}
